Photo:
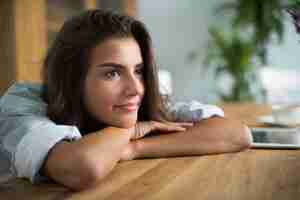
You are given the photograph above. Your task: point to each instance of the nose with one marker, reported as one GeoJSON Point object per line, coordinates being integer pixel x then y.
{"type": "Point", "coordinates": [134, 86]}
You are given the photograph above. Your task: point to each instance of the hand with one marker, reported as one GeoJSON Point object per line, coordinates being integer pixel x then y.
{"type": "Point", "coordinates": [143, 128]}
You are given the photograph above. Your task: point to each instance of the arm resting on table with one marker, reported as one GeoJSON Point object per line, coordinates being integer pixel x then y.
{"type": "Point", "coordinates": [87, 161]}
{"type": "Point", "coordinates": [210, 136]}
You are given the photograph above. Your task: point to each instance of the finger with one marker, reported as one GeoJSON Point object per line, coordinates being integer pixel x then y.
{"type": "Point", "coordinates": [169, 127]}
{"type": "Point", "coordinates": [142, 129]}
{"type": "Point", "coordinates": [181, 123]}
{"type": "Point", "coordinates": [186, 124]}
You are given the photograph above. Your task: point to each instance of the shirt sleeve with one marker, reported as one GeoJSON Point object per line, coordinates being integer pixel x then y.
{"type": "Point", "coordinates": [27, 134]}
{"type": "Point", "coordinates": [28, 139]}
{"type": "Point", "coordinates": [194, 111]}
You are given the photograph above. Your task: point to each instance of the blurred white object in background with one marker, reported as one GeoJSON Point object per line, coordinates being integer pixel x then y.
{"type": "Point", "coordinates": [283, 94]}
{"type": "Point", "coordinates": [165, 82]}
{"type": "Point", "coordinates": [282, 85]}
{"type": "Point", "coordinates": [286, 114]}
{"type": "Point", "coordinates": [282, 115]}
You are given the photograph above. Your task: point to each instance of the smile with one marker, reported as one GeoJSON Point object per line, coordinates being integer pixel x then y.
{"type": "Point", "coordinates": [129, 107]}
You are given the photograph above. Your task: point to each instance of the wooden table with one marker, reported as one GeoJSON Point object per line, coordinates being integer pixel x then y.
{"type": "Point", "coordinates": [252, 174]}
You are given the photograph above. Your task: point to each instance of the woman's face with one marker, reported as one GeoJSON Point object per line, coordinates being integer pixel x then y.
{"type": "Point", "coordinates": [114, 85]}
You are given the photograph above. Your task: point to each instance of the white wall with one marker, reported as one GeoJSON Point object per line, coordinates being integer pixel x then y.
{"type": "Point", "coordinates": [180, 26]}
{"type": "Point", "coordinates": [286, 55]}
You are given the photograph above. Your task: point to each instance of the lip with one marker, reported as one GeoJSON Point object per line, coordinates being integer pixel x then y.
{"type": "Point", "coordinates": [129, 106]}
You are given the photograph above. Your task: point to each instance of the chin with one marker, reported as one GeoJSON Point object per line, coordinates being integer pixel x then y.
{"type": "Point", "coordinates": [126, 123]}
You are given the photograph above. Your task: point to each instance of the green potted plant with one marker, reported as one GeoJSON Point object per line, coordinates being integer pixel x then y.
{"type": "Point", "coordinates": [235, 56]}
{"type": "Point", "coordinates": [263, 17]}
{"type": "Point", "coordinates": [232, 53]}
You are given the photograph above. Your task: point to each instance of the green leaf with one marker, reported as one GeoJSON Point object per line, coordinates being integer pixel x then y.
{"type": "Point", "coordinates": [265, 17]}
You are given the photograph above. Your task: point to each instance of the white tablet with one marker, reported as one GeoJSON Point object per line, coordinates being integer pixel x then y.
{"type": "Point", "coordinates": [281, 138]}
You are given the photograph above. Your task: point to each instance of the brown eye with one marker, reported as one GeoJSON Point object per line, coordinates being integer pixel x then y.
{"type": "Point", "coordinates": [139, 71]}
{"type": "Point", "coordinates": [112, 74]}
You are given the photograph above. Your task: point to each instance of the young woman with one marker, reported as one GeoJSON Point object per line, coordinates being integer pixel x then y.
{"type": "Point", "coordinates": [98, 101]}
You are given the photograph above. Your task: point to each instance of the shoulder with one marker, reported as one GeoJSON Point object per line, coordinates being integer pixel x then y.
{"type": "Point", "coordinates": [22, 98]}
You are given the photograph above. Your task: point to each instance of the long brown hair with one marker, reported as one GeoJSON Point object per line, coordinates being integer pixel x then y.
{"type": "Point", "coordinates": [67, 63]}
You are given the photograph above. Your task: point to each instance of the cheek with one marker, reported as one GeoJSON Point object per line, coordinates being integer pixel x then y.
{"type": "Point", "coordinates": [100, 99]}
{"type": "Point", "coordinates": [106, 102]}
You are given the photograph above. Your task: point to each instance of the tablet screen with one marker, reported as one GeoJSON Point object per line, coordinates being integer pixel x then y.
{"type": "Point", "coordinates": [276, 137]}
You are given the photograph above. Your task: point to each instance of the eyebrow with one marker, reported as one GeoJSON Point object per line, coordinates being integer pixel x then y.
{"type": "Point", "coordinates": [111, 64]}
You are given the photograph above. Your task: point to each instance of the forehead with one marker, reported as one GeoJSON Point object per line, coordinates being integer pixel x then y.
{"type": "Point", "coordinates": [117, 49]}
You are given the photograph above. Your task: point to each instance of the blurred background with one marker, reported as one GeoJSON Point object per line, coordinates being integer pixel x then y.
{"type": "Point", "coordinates": [210, 51]}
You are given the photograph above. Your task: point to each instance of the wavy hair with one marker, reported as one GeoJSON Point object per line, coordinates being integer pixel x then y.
{"type": "Point", "coordinates": [67, 62]}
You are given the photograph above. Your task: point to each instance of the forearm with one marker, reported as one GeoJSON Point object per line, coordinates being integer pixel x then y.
{"type": "Point", "coordinates": [85, 162]}
{"type": "Point", "coordinates": [215, 135]}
